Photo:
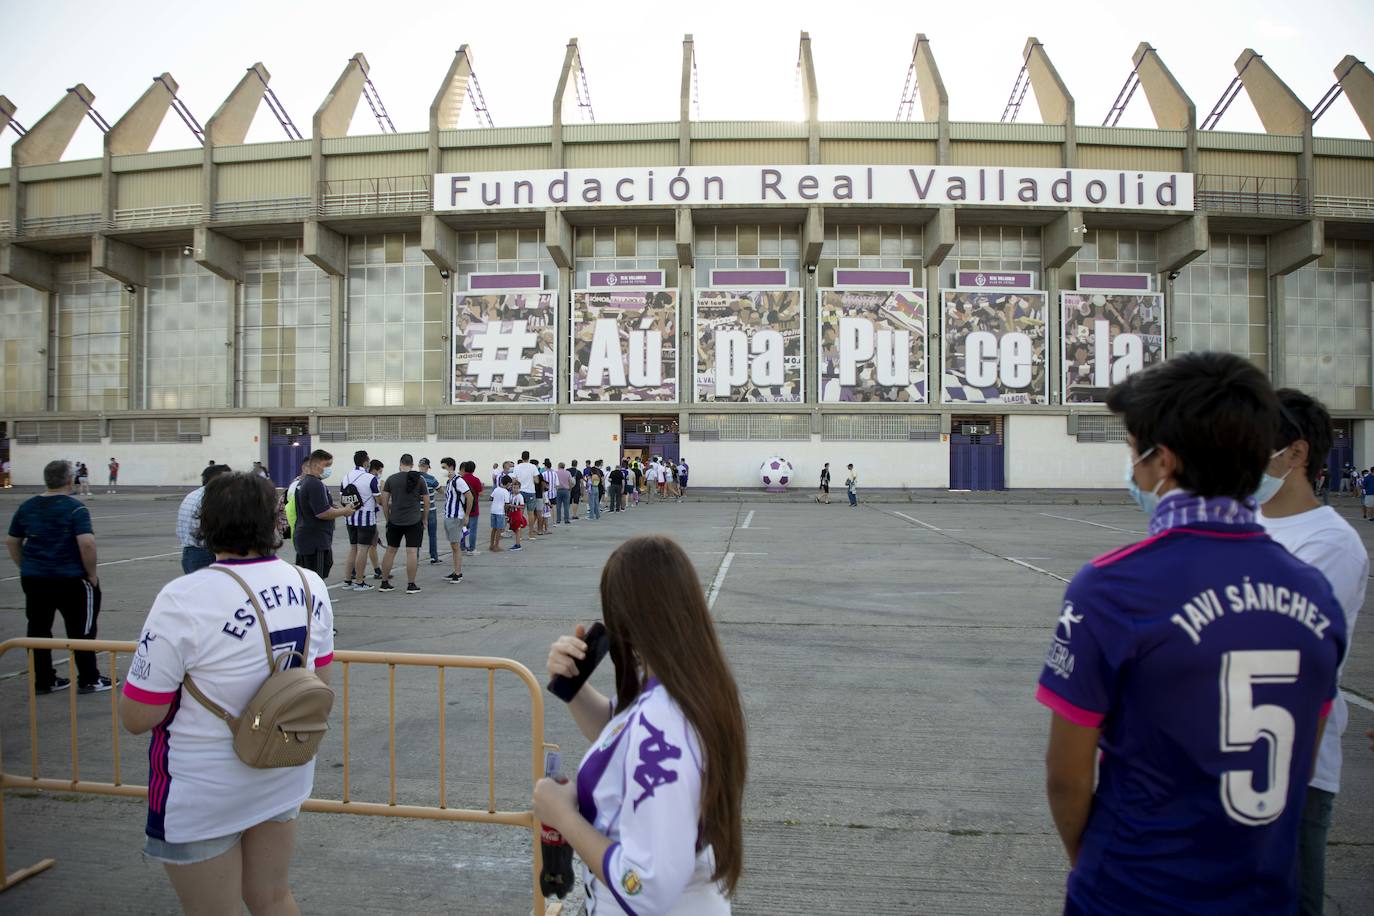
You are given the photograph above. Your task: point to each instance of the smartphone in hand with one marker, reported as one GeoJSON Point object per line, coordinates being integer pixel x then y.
{"type": "Point", "coordinates": [598, 644]}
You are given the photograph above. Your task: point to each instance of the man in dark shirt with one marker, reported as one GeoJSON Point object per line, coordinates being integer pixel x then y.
{"type": "Point", "coordinates": [617, 487]}
{"type": "Point", "coordinates": [405, 499]}
{"type": "Point", "coordinates": [315, 515]}
{"type": "Point", "coordinates": [53, 544]}
{"type": "Point", "coordinates": [468, 471]}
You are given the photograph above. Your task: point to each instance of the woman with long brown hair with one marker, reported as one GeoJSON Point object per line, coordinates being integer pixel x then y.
{"type": "Point", "coordinates": [655, 811]}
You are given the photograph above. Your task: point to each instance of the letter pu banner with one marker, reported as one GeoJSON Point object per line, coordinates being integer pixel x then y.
{"type": "Point", "coordinates": [872, 345]}
{"type": "Point", "coordinates": [749, 346]}
{"type": "Point", "coordinates": [994, 347]}
{"type": "Point", "coordinates": [1107, 337]}
{"type": "Point", "coordinates": [624, 345]}
{"type": "Point", "coordinates": [504, 348]}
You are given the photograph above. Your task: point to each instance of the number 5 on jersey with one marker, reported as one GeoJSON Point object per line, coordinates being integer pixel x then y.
{"type": "Point", "coordinates": [1243, 724]}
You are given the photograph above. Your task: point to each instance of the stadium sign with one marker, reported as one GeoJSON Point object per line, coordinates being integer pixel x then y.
{"type": "Point", "coordinates": [880, 185]}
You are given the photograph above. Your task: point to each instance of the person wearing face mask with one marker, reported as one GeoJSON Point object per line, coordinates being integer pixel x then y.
{"type": "Point", "coordinates": [655, 811]}
{"type": "Point", "coordinates": [1315, 534]}
{"type": "Point", "coordinates": [1190, 674]}
{"type": "Point", "coordinates": [315, 514]}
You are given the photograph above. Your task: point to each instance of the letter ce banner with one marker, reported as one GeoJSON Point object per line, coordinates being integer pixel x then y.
{"type": "Point", "coordinates": [1107, 337]}
{"type": "Point", "coordinates": [872, 346]}
{"type": "Point", "coordinates": [624, 345]}
{"type": "Point", "coordinates": [504, 347]}
{"type": "Point", "coordinates": [994, 347]}
{"type": "Point", "coordinates": [749, 346]}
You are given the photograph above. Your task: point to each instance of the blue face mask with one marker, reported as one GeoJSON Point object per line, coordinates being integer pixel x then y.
{"type": "Point", "coordinates": [1269, 484]}
{"type": "Point", "coordinates": [326, 472]}
{"type": "Point", "coordinates": [1147, 501]}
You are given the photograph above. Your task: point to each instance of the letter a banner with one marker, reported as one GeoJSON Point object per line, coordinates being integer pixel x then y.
{"type": "Point", "coordinates": [624, 345]}
{"type": "Point", "coordinates": [1107, 337]}
{"type": "Point", "coordinates": [749, 346]}
{"type": "Point", "coordinates": [994, 347]}
{"type": "Point", "coordinates": [504, 348]}
{"type": "Point", "coordinates": [872, 345]}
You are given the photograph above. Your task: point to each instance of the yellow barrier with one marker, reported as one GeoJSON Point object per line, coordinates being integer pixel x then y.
{"type": "Point", "coordinates": [344, 805]}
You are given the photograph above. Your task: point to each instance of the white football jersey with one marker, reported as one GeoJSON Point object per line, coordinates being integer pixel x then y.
{"type": "Point", "coordinates": [640, 785]}
{"type": "Point", "coordinates": [203, 624]}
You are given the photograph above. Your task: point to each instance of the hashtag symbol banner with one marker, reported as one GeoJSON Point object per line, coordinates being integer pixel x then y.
{"type": "Point", "coordinates": [504, 347]}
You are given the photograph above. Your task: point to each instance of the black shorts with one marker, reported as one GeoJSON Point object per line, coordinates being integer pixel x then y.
{"type": "Point", "coordinates": [366, 535]}
{"type": "Point", "coordinates": [575, 495]}
{"type": "Point", "coordinates": [320, 562]}
{"type": "Point", "coordinates": [412, 534]}
{"type": "Point", "coordinates": [825, 488]}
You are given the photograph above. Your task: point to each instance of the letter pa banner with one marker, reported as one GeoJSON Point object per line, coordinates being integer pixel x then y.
{"type": "Point", "coordinates": [624, 345]}
{"type": "Point", "coordinates": [994, 347]}
{"type": "Point", "coordinates": [504, 347]}
{"type": "Point", "coordinates": [1107, 337]}
{"type": "Point", "coordinates": [872, 346]}
{"type": "Point", "coordinates": [749, 346]}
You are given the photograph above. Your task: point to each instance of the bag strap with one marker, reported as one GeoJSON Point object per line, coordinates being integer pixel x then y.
{"type": "Point", "coordinates": [262, 618]}
{"type": "Point", "coordinates": [309, 616]}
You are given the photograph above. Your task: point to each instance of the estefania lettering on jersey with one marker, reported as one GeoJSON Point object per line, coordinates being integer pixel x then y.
{"type": "Point", "coordinates": [1088, 189]}
{"type": "Point", "coordinates": [275, 596]}
{"type": "Point", "coordinates": [1206, 607]}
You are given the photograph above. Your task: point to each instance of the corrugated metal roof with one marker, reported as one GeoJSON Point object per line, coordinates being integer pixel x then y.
{"type": "Point", "coordinates": [167, 159]}
{"type": "Point", "coordinates": [1132, 136]}
{"type": "Point", "coordinates": [620, 133]}
{"type": "Point", "coordinates": [879, 130]}
{"type": "Point", "coordinates": [377, 143]}
{"type": "Point", "coordinates": [73, 169]}
{"type": "Point", "coordinates": [1342, 146]}
{"type": "Point", "coordinates": [1006, 133]}
{"type": "Point", "coordinates": [1256, 143]}
{"type": "Point", "coordinates": [748, 130]}
{"type": "Point", "coordinates": [262, 152]}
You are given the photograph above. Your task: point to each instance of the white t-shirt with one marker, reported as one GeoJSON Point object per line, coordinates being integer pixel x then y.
{"type": "Point", "coordinates": [499, 497]}
{"type": "Point", "coordinates": [524, 473]}
{"type": "Point", "coordinates": [1321, 538]}
{"type": "Point", "coordinates": [640, 785]}
{"type": "Point", "coordinates": [204, 624]}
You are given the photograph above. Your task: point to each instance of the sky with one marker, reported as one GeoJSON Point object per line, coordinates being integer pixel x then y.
{"type": "Point", "coordinates": [746, 56]}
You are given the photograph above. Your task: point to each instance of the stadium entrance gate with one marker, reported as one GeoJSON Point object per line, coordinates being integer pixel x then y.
{"type": "Point", "coordinates": [976, 454]}
{"type": "Point", "coordinates": [641, 437]}
{"type": "Point", "coordinates": [288, 442]}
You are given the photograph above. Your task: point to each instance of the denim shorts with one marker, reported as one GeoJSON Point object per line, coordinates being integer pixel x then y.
{"type": "Point", "coordinates": [498, 522]}
{"type": "Point", "coordinates": [203, 850]}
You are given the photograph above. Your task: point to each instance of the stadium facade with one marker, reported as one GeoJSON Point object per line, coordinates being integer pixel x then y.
{"type": "Point", "coordinates": [941, 303]}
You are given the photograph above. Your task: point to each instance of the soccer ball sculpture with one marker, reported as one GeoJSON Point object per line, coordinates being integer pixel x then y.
{"type": "Point", "coordinates": [776, 473]}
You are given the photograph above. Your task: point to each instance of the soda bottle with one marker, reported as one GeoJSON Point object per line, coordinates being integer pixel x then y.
{"type": "Point", "coordinates": [556, 877]}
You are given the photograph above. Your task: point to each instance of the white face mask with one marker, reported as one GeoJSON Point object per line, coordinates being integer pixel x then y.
{"type": "Point", "coordinates": [1269, 484]}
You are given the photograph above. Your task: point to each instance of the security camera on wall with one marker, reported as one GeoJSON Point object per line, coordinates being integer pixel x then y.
{"type": "Point", "coordinates": [811, 269]}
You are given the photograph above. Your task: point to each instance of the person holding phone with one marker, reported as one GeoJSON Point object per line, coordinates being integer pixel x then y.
{"type": "Point", "coordinates": [655, 811]}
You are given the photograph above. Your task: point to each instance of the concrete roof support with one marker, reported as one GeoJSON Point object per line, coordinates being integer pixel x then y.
{"type": "Point", "coordinates": [228, 126]}
{"type": "Point", "coordinates": [1279, 108]}
{"type": "Point", "coordinates": [219, 254]}
{"type": "Point", "coordinates": [813, 236]}
{"type": "Point", "coordinates": [558, 238]}
{"type": "Point", "coordinates": [47, 140]}
{"type": "Point", "coordinates": [119, 260]}
{"type": "Point", "coordinates": [1183, 243]}
{"type": "Point", "coordinates": [934, 98]}
{"type": "Point", "coordinates": [439, 242]}
{"type": "Point", "coordinates": [1052, 96]}
{"type": "Point", "coordinates": [685, 232]}
{"type": "Point", "coordinates": [1358, 83]}
{"type": "Point", "coordinates": [35, 269]}
{"type": "Point", "coordinates": [684, 133]}
{"type": "Point", "coordinates": [134, 132]}
{"type": "Point", "coordinates": [336, 111]}
{"type": "Point", "coordinates": [1062, 238]}
{"type": "Point", "coordinates": [811, 99]}
{"type": "Point", "coordinates": [1170, 104]}
{"type": "Point", "coordinates": [447, 106]}
{"type": "Point", "coordinates": [325, 248]}
{"type": "Point", "coordinates": [1295, 247]}
{"type": "Point", "coordinates": [940, 234]}
{"type": "Point", "coordinates": [559, 94]}
{"type": "Point", "coordinates": [7, 110]}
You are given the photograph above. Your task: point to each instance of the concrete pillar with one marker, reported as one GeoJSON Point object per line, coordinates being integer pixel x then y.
{"type": "Point", "coordinates": [1292, 248]}
{"type": "Point", "coordinates": [1183, 243]}
{"type": "Point", "coordinates": [685, 233]}
{"type": "Point", "coordinates": [47, 140]}
{"type": "Point", "coordinates": [332, 118]}
{"type": "Point", "coordinates": [137, 351]}
{"type": "Point", "coordinates": [325, 248]}
{"type": "Point", "coordinates": [558, 239]}
{"type": "Point", "coordinates": [684, 131]}
{"type": "Point", "coordinates": [439, 242]}
{"type": "Point", "coordinates": [1062, 238]}
{"type": "Point", "coordinates": [934, 98]}
{"type": "Point", "coordinates": [447, 106]}
{"type": "Point", "coordinates": [228, 126]}
{"type": "Point", "coordinates": [1358, 82]}
{"type": "Point", "coordinates": [1170, 104]}
{"type": "Point", "coordinates": [33, 268]}
{"type": "Point", "coordinates": [118, 260]}
{"type": "Point", "coordinates": [812, 240]}
{"type": "Point", "coordinates": [811, 99]}
{"type": "Point", "coordinates": [556, 132]}
{"type": "Point", "coordinates": [1279, 108]}
{"type": "Point", "coordinates": [939, 236]}
{"type": "Point", "coordinates": [219, 254]}
{"type": "Point", "coordinates": [134, 131]}
{"type": "Point", "coordinates": [1052, 96]}
{"type": "Point", "coordinates": [338, 340]}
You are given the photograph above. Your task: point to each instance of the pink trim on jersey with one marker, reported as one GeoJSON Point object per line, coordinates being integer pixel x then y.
{"type": "Point", "coordinates": [138, 694]}
{"type": "Point", "coordinates": [1075, 714]}
{"type": "Point", "coordinates": [1326, 709]}
{"type": "Point", "coordinates": [1231, 535]}
{"type": "Point", "coordinates": [1121, 553]}
{"type": "Point", "coordinates": [324, 660]}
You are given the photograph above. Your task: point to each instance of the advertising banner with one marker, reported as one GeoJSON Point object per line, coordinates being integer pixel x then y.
{"type": "Point", "coordinates": [624, 345]}
{"type": "Point", "coordinates": [504, 347]}
{"type": "Point", "coordinates": [994, 347]}
{"type": "Point", "coordinates": [1107, 337]}
{"type": "Point", "coordinates": [749, 346]}
{"type": "Point", "coordinates": [872, 345]}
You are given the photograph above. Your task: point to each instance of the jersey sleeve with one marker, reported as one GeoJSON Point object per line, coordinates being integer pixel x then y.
{"type": "Point", "coordinates": [166, 649]}
{"type": "Point", "coordinates": [321, 623]}
{"type": "Point", "coordinates": [81, 521]}
{"type": "Point", "coordinates": [1082, 663]}
{"type": "Point", "coordinates": [17, 529]}
{"type": "Point", "coordinates": [317, 499]}
{"type": "Point", "coordinates": [651, 864]}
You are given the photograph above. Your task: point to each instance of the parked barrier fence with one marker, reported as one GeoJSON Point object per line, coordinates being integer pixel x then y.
{"type": "Point", "coordinates": [346, 803]}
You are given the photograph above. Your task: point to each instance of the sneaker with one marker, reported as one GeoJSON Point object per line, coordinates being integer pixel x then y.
{"type": "Point", "coordinates": [347, 585]}
{"type": "Point", "coordinates": [454, 577]}
{"type": "Point", "coordinates": [434, 561]}
{"type": "Point", "coordinates": [377, 573]}
{"type": "Point", "coordinates": [413, 589]}
{"type": "Point", "coordinates": [361, 587]}
{"type": "Point", "coordinates": [386, 587]}
{"type": "Point", "coordinates": [59, 683]}
{"type": "Point", "coordinates": [516, 547]}
{"type": "Point", "coordinates": [99, 685]}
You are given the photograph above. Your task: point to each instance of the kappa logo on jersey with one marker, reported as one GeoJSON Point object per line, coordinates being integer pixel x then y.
{"type": "Point", "coordinates": [653, 751]}
{"type": "Point", "coordinates": [146, 643]}
{"type": "Point", "coordinates": [1059, 658]}
{"type": "Point", "coordinates": [630, 882]}
{"type": "Point", "coordinates": [1067, 618]}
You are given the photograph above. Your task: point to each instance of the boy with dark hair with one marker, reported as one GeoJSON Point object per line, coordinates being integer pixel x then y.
{"type": "Point", "coordinates": [359, 489]}
{"type": "Point", "coordinates": [1198, 664]}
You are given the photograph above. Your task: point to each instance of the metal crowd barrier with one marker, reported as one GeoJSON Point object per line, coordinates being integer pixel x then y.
{"type": "Point", "coordinates": [344, 805]}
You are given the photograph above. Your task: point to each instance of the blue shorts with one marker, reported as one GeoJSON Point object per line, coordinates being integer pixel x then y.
{"type": "Point", "coordinates": [203, 850]}
{"type": "Point", "coordinates": [498, 522]}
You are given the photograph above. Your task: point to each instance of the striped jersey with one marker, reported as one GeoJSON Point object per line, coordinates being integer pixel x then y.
{"type": "Point", "coordinates": [453, 497]}
{"type": "Point", "coordinates": [368, 488]}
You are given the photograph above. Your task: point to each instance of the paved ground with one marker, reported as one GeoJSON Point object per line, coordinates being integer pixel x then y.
{"type": "Point", "coordinates": [887, 658]}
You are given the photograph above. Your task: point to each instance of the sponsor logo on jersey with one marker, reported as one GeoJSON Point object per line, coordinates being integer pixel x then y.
{"type": "Point", "coordinates": [630, 882]}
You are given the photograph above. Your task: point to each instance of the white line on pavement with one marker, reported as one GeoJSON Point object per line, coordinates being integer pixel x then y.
{"type": "Point", "coordinates": [1082, 521]}
{"type": "Point", "coordinates": [719, 580]}
{"type": "Point", "coordinates": [916, 520]}
{"type": "Point", "coordinates": [748, 518]}
{"type": "Point", "coordinates": [156, 556]}
{"type": "Point", "coordinates": [23, 672]}
{"type": "Point", "coordinates": [1358, 700]}
{"type": "Point", "coordinates": [1035, 568]}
